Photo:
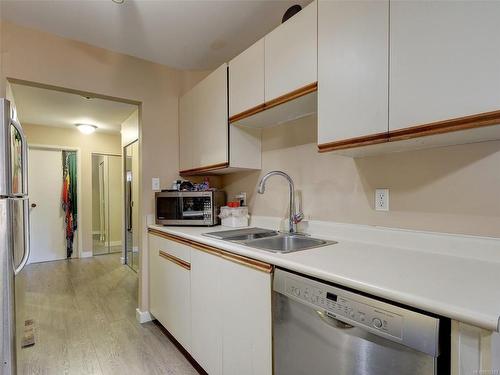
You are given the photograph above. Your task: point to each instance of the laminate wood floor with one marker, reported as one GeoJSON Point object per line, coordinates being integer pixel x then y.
{"type": "Point", "coordinates": [84, 312]}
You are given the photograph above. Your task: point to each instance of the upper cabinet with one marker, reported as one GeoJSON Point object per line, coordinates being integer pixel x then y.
{"type": "Point", "coordinates": [246, 79]}
{"type": "Point", "coordinates": [424, 73]}
{"type": "Point", "coordinates": [204, 137]}
{"type": "Point", "coordinates": [291, 54]}
{"type": "Point", "coordinates": [353, 73]}
{"type": "Point", "coordinates": [203, 129]}
{"type": "Point", "coordinates": [270, 82]}
{"type": "Point", "coordinates": [445, 60]}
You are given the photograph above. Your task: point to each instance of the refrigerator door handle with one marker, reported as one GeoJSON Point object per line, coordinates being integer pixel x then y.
{"type": "Point", "coordinates": [26, 225]}
{"type": "Point", "coordinates": [24, 151]}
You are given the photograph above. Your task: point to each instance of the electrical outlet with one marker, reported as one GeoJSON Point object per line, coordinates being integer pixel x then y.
{"type": "Point", "coordinates": [155, 184]}
{"type": "Point", "coordinates": [382, 199]}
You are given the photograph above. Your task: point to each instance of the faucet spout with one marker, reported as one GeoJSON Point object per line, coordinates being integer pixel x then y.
{"type": "Point", "coordinates": [294, 218]}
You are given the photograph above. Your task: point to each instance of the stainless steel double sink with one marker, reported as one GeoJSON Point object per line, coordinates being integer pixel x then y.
{"type": "Point", "coordinates": [270, 240]}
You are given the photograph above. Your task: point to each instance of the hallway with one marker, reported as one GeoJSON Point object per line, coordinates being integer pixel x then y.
{"type": "Point", "coordinates": [84, 312]}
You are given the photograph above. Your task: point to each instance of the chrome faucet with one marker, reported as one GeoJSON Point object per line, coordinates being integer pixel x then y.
{"type": "Point", "coordinates": [294, 216]}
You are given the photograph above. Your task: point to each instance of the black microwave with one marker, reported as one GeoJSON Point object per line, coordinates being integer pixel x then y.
{"type": "Point", "coordinates": [195, 208]}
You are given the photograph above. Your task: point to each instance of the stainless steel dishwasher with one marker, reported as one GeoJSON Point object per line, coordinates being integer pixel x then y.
{"type": "Point", "coordinates": [320, 329]}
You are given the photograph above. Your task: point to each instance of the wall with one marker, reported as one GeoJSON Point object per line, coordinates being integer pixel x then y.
{"type": "Point", "coordinates": [452, 189]}
{"type": "Point", "coordinates": [31, 55]}
{"type": "Point", "coordinates": [88, 144]}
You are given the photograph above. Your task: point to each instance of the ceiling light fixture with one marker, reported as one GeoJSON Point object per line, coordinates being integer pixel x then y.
{"type": "Point", "coordinates": [86, 128]}
{"type": "Point", "coordinates": [118, 1]}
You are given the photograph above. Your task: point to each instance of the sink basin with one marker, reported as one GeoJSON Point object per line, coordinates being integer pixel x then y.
{"type": "Point", "coordinates": [270, 240]}
{"type": "Point", "coordinates": [286, 243]}
{"type": "Point", "coordinates": [251, 236]}
{"type": "Point", "coordinates": [244, 234]}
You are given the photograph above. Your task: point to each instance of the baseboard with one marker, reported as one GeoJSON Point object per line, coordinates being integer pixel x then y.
{"type": "Point", "coordinates": [86, 254]}
{"type": "Point", "coordinates": [143, 316]}
{"type": "Point", "coordinates": [96, 232]}
{"type": "Point", "coordinates": [115, 243]}
{"type": "Point", "coordinates": [122, 260]}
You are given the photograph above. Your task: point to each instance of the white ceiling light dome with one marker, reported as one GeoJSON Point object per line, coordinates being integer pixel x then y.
{"type": "Point", "coordinates": [86, 128]}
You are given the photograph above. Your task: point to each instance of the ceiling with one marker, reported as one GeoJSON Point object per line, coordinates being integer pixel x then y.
{"type": "Point", "coordinates": [188, 34]}
{"type": "Point", "coordinates": [60, 109]}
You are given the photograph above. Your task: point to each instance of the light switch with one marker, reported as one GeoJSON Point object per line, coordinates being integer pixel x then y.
{"type": "Point", "coordinates": [155, 183]}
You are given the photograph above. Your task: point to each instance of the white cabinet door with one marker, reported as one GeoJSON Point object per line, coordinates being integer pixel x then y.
{"type": "Point", "coordinates": [291, 54]}
{"type": "Point", "coordinates": [352, 69]}
{"type": "Point", "coordinates": [203, 122]}
{"type": "Point", "coordinates": [206, 309]}
{"type": "Point", "coordinates": [247, 320]}
{"type": "Point", "coordinates": [170, 300]}
{"type": "Point", "coordinates": [211, 121]}
{"type": "Point", "coordinates": [444, 60]}
{"type": "Point", "coordinates": [246, 79]}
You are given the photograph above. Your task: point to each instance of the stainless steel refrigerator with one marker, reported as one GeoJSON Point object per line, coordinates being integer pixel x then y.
{"type": "Point", "coordinates": [14, 227]}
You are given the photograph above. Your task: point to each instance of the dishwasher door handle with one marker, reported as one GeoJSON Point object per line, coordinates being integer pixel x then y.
{"type": "Point", "coordinates": [332, 321]}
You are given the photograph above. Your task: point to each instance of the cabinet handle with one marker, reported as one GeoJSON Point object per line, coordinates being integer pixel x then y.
{"type": "Point", "coordinates": [175, 260]}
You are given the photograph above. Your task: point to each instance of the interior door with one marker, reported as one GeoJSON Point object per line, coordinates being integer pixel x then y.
{"type": "Point", "coordinates": [47, 225]}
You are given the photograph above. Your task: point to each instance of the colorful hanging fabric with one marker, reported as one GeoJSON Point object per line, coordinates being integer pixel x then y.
{"type": "Point", "coordinates": [69, 198]}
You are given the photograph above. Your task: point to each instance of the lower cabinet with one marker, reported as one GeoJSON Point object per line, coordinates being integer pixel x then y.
{"type": "Point", "coordinates": [206, 320]}
{"type": "Point", "coordinates": [170, 292]}
{"type": "Point", "coordinates": [216, 304]}
{"type": "Point", "coordinates": [247, 320]}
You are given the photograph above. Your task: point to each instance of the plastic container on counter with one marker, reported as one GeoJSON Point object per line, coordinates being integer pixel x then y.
{"type": "Point", "coordinates": [234, 217]}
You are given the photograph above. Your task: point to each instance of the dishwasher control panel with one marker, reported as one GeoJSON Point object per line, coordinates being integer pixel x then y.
{"type": "Point", "coordinates": [347, 309]}
{"type": "Point", "coordinates": [402, 325]}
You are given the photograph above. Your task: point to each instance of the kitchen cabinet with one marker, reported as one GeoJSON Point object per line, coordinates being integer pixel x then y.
{"type": "Point", "coordinates": [291, 54]}
{"type": "Point", "coordinates": [231, 315]}
{"type": "Point", "coordinates": [203, 123]}
{"type": "Point", "coordinates": [228, 313]}
{"type": "Point", "coordinates": [247, 320]}
{"type": "Point", "coordinates": [205, 139]}
{"type": "Point", "coordinates": [444, 61]}
{"type": "Point", "coordinates": [246, 79]}
{"type": "Point", "coordinates": [443, 76]}
{"type": "Point", "coordinates": [206, 308]}
{"type": "Point", "coordinates": [170, 302]}
{"type": "Point", "coordinates": [353, 73]}
{"type": "Point", "coordinates": [474, 350]}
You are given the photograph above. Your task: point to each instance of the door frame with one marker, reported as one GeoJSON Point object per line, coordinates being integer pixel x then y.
{"type": "Point", "coordinates": [36, 146]}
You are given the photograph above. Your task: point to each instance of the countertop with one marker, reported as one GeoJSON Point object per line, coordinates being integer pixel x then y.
{"type": "Point", "coordinates": [449, 275]}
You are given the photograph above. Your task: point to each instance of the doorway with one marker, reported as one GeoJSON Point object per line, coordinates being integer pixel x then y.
{"type": "Point", "coordinates": [131, 173]}
{"type": "Point", "coordinates": [107, 201]}
{"type": "Point", "coordinates": [47, 218]}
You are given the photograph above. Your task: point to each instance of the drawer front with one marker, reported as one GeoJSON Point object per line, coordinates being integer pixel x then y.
{"type": "Point", "coordinates": [172, 248]}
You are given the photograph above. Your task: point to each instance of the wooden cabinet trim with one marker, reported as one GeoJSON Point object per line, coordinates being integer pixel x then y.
{"type": "Point", "coordinates": [447, 126]}
{"type": "Point", "coordinates": [174, 259]}
{"type": "Point", "coordinates": [204, 169]}
{"type": "Point", "coordinates": [245, 261]}
{"type": "Point", "coordinates": [434, 128]}
{"type": "Point", "coordinates": [275, 102]}
{"type": "Point", "coordinates": [354, 142]}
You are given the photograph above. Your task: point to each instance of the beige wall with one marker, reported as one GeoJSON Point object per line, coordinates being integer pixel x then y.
{"type": "Point", "coordinates": [40, 57]}
{"type": "Point", "coordinates": [88, 144]}
{"type": "Point", "coordinates": [452, 189]}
